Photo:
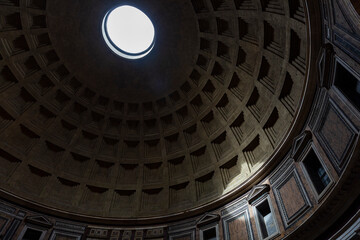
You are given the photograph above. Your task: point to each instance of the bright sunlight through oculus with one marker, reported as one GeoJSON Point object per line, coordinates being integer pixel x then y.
{"type": "Point", "coordinates": [128, 32]}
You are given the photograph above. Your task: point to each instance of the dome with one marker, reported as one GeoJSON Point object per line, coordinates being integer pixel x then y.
{"type": "Point", "coordinates": [210, 107]}
{"type": "Point", "coordinates": [202, 112]}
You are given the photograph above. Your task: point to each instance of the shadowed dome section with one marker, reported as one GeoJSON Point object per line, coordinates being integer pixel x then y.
{"type": "Point", "coordinates": [72, 139]}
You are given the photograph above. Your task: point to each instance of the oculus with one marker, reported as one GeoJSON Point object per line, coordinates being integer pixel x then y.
{"type": "Point", "coordinates": [128, 32]}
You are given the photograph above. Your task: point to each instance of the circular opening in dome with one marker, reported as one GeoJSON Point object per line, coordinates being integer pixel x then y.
{"type": "Point", "coordinates": [128, 32]}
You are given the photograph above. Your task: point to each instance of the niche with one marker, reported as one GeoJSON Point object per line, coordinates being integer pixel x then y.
{"type": "Point", "coordinates": [356, 5]}
{"type": "Point", "coordinates": [348, 84]}
{"type": "Point", "coordinates": [209, 227]}
{"type": "Point", "coordinates": [265, 219]}
{"type": "Point", "coordinates": [32, 234]}
{"type": "Point", "coordinates": [316, 173]}
{"type": "Point", "coordinates": [210, 234]}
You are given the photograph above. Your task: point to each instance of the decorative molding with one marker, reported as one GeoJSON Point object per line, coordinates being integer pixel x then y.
{"type": "Point", "coordinates": [256, 192]}
{"type": "Point", "coordinates": [21, 214]}
{"type": "Point", "coordinates": [347, 46]}
{"type": "Point", "coordinates": [97, 232]}
{"type": "Point", "coordinates": [299, 143]}
{"type": "Point", "coordinates": [326, 65]}
{"type": "Point", "coordinates": [69, 227]}
{"type": "Point", "coordinates": [7, 209]}
{"type": "Point", "coordinates": [190, 234]}
{"type": "Point", "coordinates": [345, 23]}
{"type": "Point", "coordinates": [282, 168]}
{"type": "Point", "coordinates": [58, 233]}
{"type": "Point", "coordinates": [3, 223]}
{"type": "Point", "coordinates": [207, 218]}
{"type": "Point", "coordinates": [233, 207]}
{"type": "Point", "coordinates": [39, 221]}
{"type": "Point", "coordinates": [12, 229]}
{"type": "Point", "coordinates": [319, 102]}
{"type": "Point", "coordinates": [183, 227]}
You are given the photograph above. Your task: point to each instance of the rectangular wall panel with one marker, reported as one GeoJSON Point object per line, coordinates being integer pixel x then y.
{"type": "Point", "coordinates": [336, 134]}
{"type": "Point", "coordinates": [291, 196]}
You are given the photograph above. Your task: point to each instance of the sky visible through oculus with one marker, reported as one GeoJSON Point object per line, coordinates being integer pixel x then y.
{"type": "Point", "coordinates": [130, 29]}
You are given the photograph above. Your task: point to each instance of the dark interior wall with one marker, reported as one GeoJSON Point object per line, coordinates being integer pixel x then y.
{"type": "Point", "coordinates": [295, 206]}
